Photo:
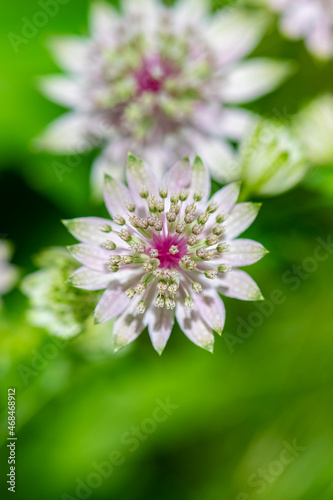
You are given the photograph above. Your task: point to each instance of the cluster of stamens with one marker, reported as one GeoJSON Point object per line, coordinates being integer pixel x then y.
{"type": "Point", "coordinates": [168, 245]}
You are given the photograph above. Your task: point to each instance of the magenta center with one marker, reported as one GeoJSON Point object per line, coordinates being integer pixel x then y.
{"type": "Point", "coordinates": [163, 243]}
{"type": "Point", "coordinates": [152, 74]}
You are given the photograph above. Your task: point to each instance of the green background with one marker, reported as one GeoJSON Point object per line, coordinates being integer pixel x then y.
{"type": "Point", "coordinates": [237, 408]}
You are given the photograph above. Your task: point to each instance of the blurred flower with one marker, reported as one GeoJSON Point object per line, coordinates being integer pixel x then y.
{"type": "Point", "coordinates": [8, 272]}
{"type": "Point", "coordinates": [314, 126]}
{"type": "Point", "coordinates": [271, 160]}
{"type": "Point", "coordinates": [308, 19]}
{"type": "Point", "coordinates": [168, 251]}
{"type": "Point", "coordinates": [55, 305]}
{"type": "Point", "coordinates": [157, 80]}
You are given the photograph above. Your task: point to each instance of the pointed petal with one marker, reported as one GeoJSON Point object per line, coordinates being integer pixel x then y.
{"type": "Point", "coordinates": [128, 326]}
{"type": "Point", "coordinates": [243, 252]}
{"type": "Point", "coordinates": [200, 181]}
{"type": "Point", "coordinates": [61, 90]}
{"type": "Point", "coordinates": [223, 122]}
{"type": "Point", "coordinates": [178, 176]}
{"type": "Point", "coordinates": [254, 78]}
{"type": "Point", "coordinates": [194, 328]}
{"type": "Point", "coordinates": [138, 175]}
{"type": "Point", "coordinates": [103, 19]}
{"type": "Point", "coordinates": [111, 161]}
{"type": "Point", "coordinates": [190, 11]}
{"type": "Point", "coordinates": [90, 280]}
{"type": "Point", "coordinates": [240, 219]}
{"type": "Point", "coordinates": [92, 230]}
{"type": "Point", "coordinates": [160, 322]}
{"type": "Point", "coordinates": [67, 134]}
{"type": "Point", "coordinates": [70, 52]}
{"type": "Point", "coordinates": [91, 256]}
{"type": "Point", "coordinates": [116, 195]}
{"type": "Point", "coordinates": [112, 304]}
{"type": "Point", "coordinates": [235, 33]}
{"type": "Point", "coordinates": [239, 285]}
{"type": "Point", "coordinates": [226, 197]}
{"type": "Point", "coordinates": [210, 307]}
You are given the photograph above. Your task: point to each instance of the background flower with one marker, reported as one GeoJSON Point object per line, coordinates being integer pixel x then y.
{"type": "Point", "coordinates": [8, 272]}
{"type": "Point", "coordinates": [172, 250]}
{"type": "Point", "coordinates": [160, 82]}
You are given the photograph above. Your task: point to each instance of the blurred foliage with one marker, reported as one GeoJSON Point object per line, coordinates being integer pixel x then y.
{"type": "Point", "coordinates": [76, 401]}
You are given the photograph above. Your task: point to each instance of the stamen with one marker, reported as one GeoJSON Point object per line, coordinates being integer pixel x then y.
{"type": "Point", "coordinates": [169, 303]}
{"type": "Point", "coordinates": [192, 240]}
{"type": "Point", "coordinates": [197, 229]}
{"type": "Point", "coordinates": [183, 195]}
{"type": "Point", "coordinates": [109, 245]}
{"type": "Point", "coordinates": [221, 217]}
{"type": "Point", "coordinates": [143, 192]}
{"type": "Point", "coordinates": [223, 247]}
{"type": "Point", "coordinates": [171, 216]}
{"type": "Point", "coordinates": [174, 198]}
{"type": "Point", "coordinates": [130, 205]}
{"type": "Point", "coordinates": [125, 235]}
{"type": "Point", "coordinates": [198, 196]}
{"type": "Point", "coordinates": [210, 274]}
{"type": "Point", "coordinates": [105, 228]}
{"type": "Point", "coordinates": [189, 303]}
{"type": "Point", "coordinates": [196, 287]}
{"type": "Point", "coordinates": [218, 230]}
{"type": "Point", "coordinates": [158, 225]}
{"type": "Point", "coordinates": [173, 249]}
{"type": "Point", "coordinates": [130, 293]}
{"type": "Point", "coordinates": [163, 192]}
{"type": "Point", "coordinates": [212, 240]}
{"type": "Point", "coordinates": [224, 268]}
{"type": "Point", "coordinates": [141, 307]}
{"type": "Point", "coordinates": [119, 220]}
{"type": "Point", "coordinates": [180, 228]}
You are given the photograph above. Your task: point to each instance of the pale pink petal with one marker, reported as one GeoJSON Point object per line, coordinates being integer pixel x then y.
{"type": "Point", "coordinates": [112, 304]}
{"type": "Point", "coordinates": [91, 229]}
{"type": "Point", "coordinates": [239, 285]}
{"type": "Point", "coordinates": [200, 181]}
{"type": "Point", "coordinates": [240, 219]}
{"type": "Point", "coordinates": [139, 175]}
{"type": "Point", "coordinates": [67, 134]}
{"type": "Point", "coordinates": [103, 19]}
{"type": "Point", "coordinates": [116, 195]}
{"type": "Point", "coordinates": [128, 326]}
{"type": "Point", "coordinates": [91, 256]}
{"type": "Point", "coordinates": [226, 197]}
{"type": "Point", "coordinates": [90, 280]}
{"type": "Point", "coordinates": [160, 322]}
{"type": "Point", "coordinates": [235, 33]}
{"type": "Point", "coordinates": [190, 12]}
{"type": "Point", "coordinates": [223, 122]}
{"type": "Point", "coordinates": [253, 78]}
{"type": "Point", "coordinates": [178, 176]}
{"type": "Point", "coordinates": [210, 307]}
{"type": "Point", "coordinates": [243, 252]}
{"type": "Point", "coordinates": [194, 328]}
{"type": "Point", "coordinates": [70, 52]}
{"type": "Point", "coordinates": [61, 90]}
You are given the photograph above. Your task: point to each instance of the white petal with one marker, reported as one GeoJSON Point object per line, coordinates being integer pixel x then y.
{"type": "Point", "coordinates": [88, 229]}
{"type": "Point", "coordinates": [210, 307]}
{"type": "Point", "coordinates": [139, 175]}
{"type": "Point", "coordinates": [70, 52]}
{"type": "Point", "coordinates": [235, 33]}
{"type": "Point", "coordinates": [91, 256]}
{"type": "Point", "coordinates": [116, 195]}
{"type": "Point", "coordinates": [243, 252]}
{"type": "Point", "coordinates": [200, 181]}
{"type": "Point", "coordinates": [67, 134]}
{"type": "Point", "coordinates": [226, 197]}
{"type": "Point", "coordinates": [8, 277]}
{"type": "Point", "coordinates": [194, 328]}
{"type": "Point", "coordinates": [187, 12]}
{"type": "Point", "coordinates": [112, 304]}
{"type": "Point", "coordinates": [239, 285]}
{"type": "Point", "coordinates": [254, 78]}
{"type": "Point", "coordinates": [90, 280]}
{"type": "Point", "coordinates": [223, 122]}
{"type": "Point", "coordinates": [60, 89]}
{"type": "Point", "coordinates": [104, 19]}
{"type": "Point", "coordinates": [178, 176]}
{"type": "Point", "coordinates": [128, 326]}
{"type": "Point", "coordinates": [160, 322]}
{"type": "Point", "coordinates": [240, 219]}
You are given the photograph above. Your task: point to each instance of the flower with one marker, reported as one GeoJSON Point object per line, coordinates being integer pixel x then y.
{"type": "Point", "coordinates": [54, 305]}
{"type": "Point", "coordinates": [159, 81]}
{"type": "Point", "coordinates": [308, 19]}
{"type": "Point", "coordinates": [8, 272]}
{"type": "Point", "coordinates": [168, 251]}
{"type": "Point", "coordinates": [271, 160]}
{"type": "Point", "coordinates": [314, 127]}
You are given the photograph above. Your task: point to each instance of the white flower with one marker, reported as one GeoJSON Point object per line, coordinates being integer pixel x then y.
{"type": "Point", "coordinates": [159, 81]}
{"type": "Point", "coordinates": [167, 252]}
{"type": "Point", "coordinates": [8, 272]}
{"type": "Point", "coordinates": [308, 19]}
{"type": "Point", "coordinates": [314, 126]}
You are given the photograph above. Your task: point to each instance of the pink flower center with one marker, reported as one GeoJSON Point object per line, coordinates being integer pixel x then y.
{"type": "Point", "coordinates": [163, 243]}
{"type": "Point", "coordinates": [152, 74]}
